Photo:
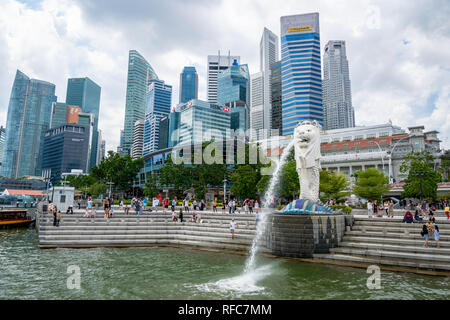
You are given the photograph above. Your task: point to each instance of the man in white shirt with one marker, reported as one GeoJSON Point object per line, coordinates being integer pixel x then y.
{"type": "Point", "coordinates": [155, 204]}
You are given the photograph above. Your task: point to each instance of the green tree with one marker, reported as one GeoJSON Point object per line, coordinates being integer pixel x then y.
{"type": "Point", "coordinates": [151, 189]}
{"type": "Point", "coordinates": [97, 189]}
{"type": "Point", "coordinates": [121, 171]}
{"type": "Point", "coordinates": [371, 184]}
{"type": "Point", "coordinates": [244, 181]}
{"type": "Point", "coordinates": [332, 185]}
{"type": "Point", "coordinates": [288, 186]}
{"type": "Point", "coordinates": [422, 179]}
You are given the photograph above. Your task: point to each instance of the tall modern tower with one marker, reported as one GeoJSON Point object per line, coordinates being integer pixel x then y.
{"type": "Point", "coordinates": [275, 95]}
{"type": "Point", "coordinates": [2, 143]}
{"type": "Point", "coordinates": [188, 84]}
{"type": "Point", "coordinates": [257, 106]}
{"type": "Point", "coordinates": [337, 97]}
{"type": "Point", "coordinates": [138, 140]}
{"type": "Point", "coordinates": [85, 93]}
{"type": "Point", "coordinates": [233, 90]}
{"type": "Point", "coordinates": [159, 98]}
{"type": "Point", "coordinates": [301, 75]}
{"type": "Point", "coordinates": [139, 73]}
{"type": "Point", "coordinates": [217, 64]}
{"type": "Point", "coordinates": [28, 118]}
{"type": "Point", "coordinates": [268, 55]}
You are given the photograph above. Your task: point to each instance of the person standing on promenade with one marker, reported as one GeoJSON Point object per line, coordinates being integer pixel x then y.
{"type": "Point", "coordinates": [250, 206]}
{"type": "Point", "coordinates": [106, 207]}
{"type": "Point", "coordinates": [89, 205]}
{"type": "Point", "coordinates": [136, 207]}
{"type": "Point", "coordinates": [58, 218]}
{"type": "Point", "coordinates": [447, 212]}
{"type": "Point", "coordinates": [215, 205]}
{"type": "Point", "coordinates": [181, 215]}
{"type": "Point", "coordinates": [121, 204]}
{"type": "Point", "coordinates": [230, 207]}
{"type": "Point", "coordinates": [391, 209]}
{"type": "Point", "coordinates": [79, 204]}
{"type": "Point", "coordinates": [246, 206]}
{"type": "Point", "coordinates": [375, 208]}
{"type": "Point", "coordinates": [436, 236]}
{"type": "Point", "coordinates": [155, 204]}
{"type": "Point", "coordinates": [232, 228]}
{"type": "Point", "coordinates": [174, 203]}
{"type": "Point", "coordinates": [127, 209]}
{"type": "Point", "coordinates": [186, 205]}
{"type": "Point", "coordinates": [369, 208]}
{"type": "Point", "coordinates": [141, 207]}
{"type": "Point", "coordinates": [223, 207]}
{"type": "Point", "coordinates": [194, 205]}
{"type": "Point", "coordinates": [256, 206]}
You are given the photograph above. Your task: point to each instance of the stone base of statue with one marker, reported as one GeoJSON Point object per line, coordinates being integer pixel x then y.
{"type": "Point", "coordinates": [304, 228]}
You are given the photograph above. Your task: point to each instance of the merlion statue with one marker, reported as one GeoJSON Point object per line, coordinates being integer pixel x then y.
{"type": "Point", "coordinates": [307, 157]}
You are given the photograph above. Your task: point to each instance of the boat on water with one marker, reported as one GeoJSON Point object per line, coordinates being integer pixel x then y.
{"type": "Point", "coordinates": [15, 218]}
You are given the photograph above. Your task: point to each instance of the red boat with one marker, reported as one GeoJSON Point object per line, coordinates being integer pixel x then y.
{"type": "Point", "coordinates": [13, 218]}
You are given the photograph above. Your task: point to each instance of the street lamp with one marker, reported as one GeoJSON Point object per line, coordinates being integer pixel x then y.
{"type": "Point", "coordinates": [382, 156]}
{"type": "Point", "coordinates": [390, 152]}
{"type": "Point", "coordinates": [224, 190]}
{"type": "Point", "coordinates": [420, 175]}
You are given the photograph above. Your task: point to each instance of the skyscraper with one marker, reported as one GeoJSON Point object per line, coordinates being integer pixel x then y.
{"type": "Point", "coordinates": [138, 139]}
{"type": "Point", "coordinates": [217, 64]}
{"type": "Point", "coordinates": [139, 73]}
{"type": "Point", "coordinates": [2, 143]}
{"type": "Point", "coordinates": [233, 91]}
{"type": "Point", "coordinates": [256, 106]}
{"type": "Point", "coordinates": [28, 118]}
{"type": "Point", "coordinates": [85, 93]}
{"type": "Point", "coordinates": [159, 99]}
{"type": "Point", "coordinates": [268, 55]}
{"type": "Point", "coordinates": [275, 96]}
{"type": "Point", "coordinates": [188, 84]}
{"type": "Point", "coordinates": [300, 71]}
{"type": "Point", "coordinates": [337, 97]}
{"type": "Point", "coordinates": [65, 148]}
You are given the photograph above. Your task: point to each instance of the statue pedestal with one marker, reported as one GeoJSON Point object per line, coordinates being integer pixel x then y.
{"type": "Point", "coordinates": [302, 235]}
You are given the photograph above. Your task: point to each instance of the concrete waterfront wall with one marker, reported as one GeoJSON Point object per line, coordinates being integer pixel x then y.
{"type": "Point", "coordinates": [301, 236]}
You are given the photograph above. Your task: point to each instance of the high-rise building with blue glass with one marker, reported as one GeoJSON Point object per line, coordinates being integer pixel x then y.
{"type": "Point", "coordinates": [85, 93]}
{"type": "Point", "coordinates": [139, 74]}
{"type": "Point", "coordinates": [301, 80]}
{"type": "Point", "coordinates": [233, 91]}
{"type": "Point", "coordinates": [159, 100]}
{"type": "Point", "coordinates": [188, 84]}
{"type": "Point", "coordinates": [28, 118]}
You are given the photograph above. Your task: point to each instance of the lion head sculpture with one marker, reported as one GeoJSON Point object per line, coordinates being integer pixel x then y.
{"type": "Point", "coordinates": [307, 144]}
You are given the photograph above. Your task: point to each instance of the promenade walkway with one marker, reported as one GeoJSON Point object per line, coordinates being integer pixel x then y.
{"type": "Point", "coordinates": [386, 242]}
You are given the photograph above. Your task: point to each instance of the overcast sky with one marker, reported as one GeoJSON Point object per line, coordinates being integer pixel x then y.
{"type": "Point", "coordinates": [398, 51]}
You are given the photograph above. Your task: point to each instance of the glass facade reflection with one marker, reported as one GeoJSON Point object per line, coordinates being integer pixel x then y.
{"type": "Point", "coordinates": [28, 118]}
{"type": "Point", "coordinates": [188, 84]}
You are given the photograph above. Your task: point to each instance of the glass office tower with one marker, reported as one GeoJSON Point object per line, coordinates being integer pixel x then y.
{"type": "Point", "coordinates": [159, 100]}
{"type": "Point", "coordinates": [275, 95]}
{"type": "Point", "coordinates": [188, 84]}
{"type": "Point", "coordinates": [301, 79]}
{"type": "Point", "coordinates": [28, 118]}
{"type": "Point", "coordinates": [337, 97]}
{"type": "Point", "coordinates": [85, 93]}
{"type": "Point", "coordinates": [139, 74]}
{"type": "Point", "coordinates": [233, 91]}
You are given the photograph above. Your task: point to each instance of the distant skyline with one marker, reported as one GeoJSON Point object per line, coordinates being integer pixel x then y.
{"type": "Point", "coordinates": [398, 51]}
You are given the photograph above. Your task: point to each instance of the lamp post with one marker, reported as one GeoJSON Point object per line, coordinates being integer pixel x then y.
{"type": "Point", "coordinates": [382, 156]}
{"type": "Point", "coordinates": [420, 175]}
{"type": "Point", "coordinates": [224, 190]}
{"type": "Point", "coordinates": [390, 152]}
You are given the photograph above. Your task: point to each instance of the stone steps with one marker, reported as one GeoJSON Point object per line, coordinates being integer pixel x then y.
{"type": "Point", "coordinates": [384, 252]}
{"type": "Point", "coordinates": [396, 247]}
{"type": "Point", "coordinates": [390, 243]}
{"type": "Point", "coordinates": [363, 261]}
{"type": "Point", "coordinates": [151, 229]}
{"type": "Point", "coordinates": [391, 235]}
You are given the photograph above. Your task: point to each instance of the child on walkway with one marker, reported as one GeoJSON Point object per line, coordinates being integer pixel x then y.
{"type": "Point", "coordinates": [232, 227]}
{"type": "Point", "coordinates": [447, 213]}
{"type": "Point", "coordinates": [436, 236]}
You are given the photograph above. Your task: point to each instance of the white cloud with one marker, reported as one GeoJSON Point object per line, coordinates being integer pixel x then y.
{"type": "Point", "coordinates": [59, 39]}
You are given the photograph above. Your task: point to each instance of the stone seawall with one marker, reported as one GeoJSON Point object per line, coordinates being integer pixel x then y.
{"type": "Point", "coordinates": [301, 236]}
